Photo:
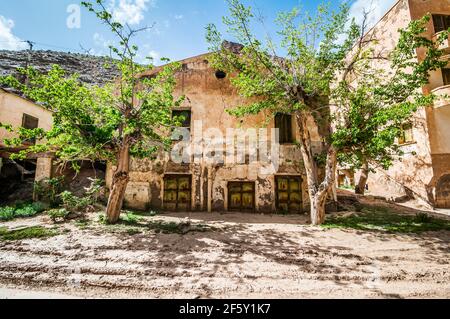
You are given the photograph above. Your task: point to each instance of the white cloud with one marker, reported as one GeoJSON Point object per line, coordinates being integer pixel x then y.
{"type": "Point", "coordinates": [8, 41]}
{"type": "Point", "coordinates": [376, 8]}
{"type": "Point", "coordinates": [155, 56]}
{"type": "Point", "coordinates": [178, 16]}
{"type": "Point", "coordinates": [102, 45]}
{"type": "Point", "coordinates": [130, 11]}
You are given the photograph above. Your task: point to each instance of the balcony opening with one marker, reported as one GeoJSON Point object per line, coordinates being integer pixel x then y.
{"type": "Point", "coordinates": [446, 76]}
{"type": "Point", "coordinates": [441, 22]}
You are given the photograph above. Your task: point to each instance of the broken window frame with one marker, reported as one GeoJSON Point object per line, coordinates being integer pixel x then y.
{"type": "Point", "coordinates": [404, 138]}
{"type": "Point", "coordinates": [26, 119]}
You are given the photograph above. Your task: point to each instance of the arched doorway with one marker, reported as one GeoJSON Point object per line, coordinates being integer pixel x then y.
{"type": "Point", "coordinates": [443, 192]}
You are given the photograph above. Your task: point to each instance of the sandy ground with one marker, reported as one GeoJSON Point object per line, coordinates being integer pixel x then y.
{"type": "Point", "coordinates": [248, 256]}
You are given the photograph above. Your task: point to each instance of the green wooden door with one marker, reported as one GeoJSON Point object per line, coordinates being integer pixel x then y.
{"type": "Point", "coordinates": [241, 196]}
{"type": "Point", "coordinates": [177, 193]}
{"type": "Point", "coordinates": [289, 194]}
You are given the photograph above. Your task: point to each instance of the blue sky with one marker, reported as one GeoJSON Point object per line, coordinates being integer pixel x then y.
{"type": "Point", "coordinates": [178, 30]}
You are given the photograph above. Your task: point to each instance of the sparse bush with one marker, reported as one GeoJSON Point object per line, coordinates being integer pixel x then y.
{"type": "Point", "coordinates": [21, 209]}
{"type": "Point", "coordinates": [27, 233]}
{"type": "Point", "coordinates": [423, 218]}
{"type": "Point", "coordinates": [48, 190]}
{"type": "Point", "coordinates": [58, 215]}
{"type": "Point", "coordinates": [7, 213]}
{"type": "Point", "coordinates": [73, 203]}
{"type": "Point", "coordinates": [131, 218]}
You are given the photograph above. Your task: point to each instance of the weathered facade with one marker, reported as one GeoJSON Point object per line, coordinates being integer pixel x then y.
{"type": "Point", "coordinates": [424, 171]}
{"type": "Point", "coordinates": [19, 112]}
{"type": "Point", "coordinates": [202, 186]}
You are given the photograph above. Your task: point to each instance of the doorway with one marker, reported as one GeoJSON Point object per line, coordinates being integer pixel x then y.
{"type": "Point", "coordinates": [177, 193]}
{"type": "Point", "coordinates": [241, 196]}
{"type": "Point", "coordinates": [289, 194]}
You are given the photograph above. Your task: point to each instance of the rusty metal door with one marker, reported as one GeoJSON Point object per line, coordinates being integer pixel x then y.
{"type": "Point", "coordinates": [241, 196]}
{"type": "Point", "coordinates": [289, 194]}
{"type": "Point", "coordinates": [177, 193]}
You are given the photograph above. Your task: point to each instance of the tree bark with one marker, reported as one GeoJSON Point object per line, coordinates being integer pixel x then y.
{"type": "Point", "coordinates": [318, 190]}
{"type": "Point", "coordinates": [119, 185]}
{"type": "Point", "coordinates": [360, 189]}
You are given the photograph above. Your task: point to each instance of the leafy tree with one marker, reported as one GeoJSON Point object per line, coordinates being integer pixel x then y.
{"type": "Point", "coordinates": [297, 84]}
{"type": "Point", "coordinates": [374, 100]}
{"type": "Point", "coordinates": [128, 117]}
{"type": "Point", "coordinates": [321, 55]}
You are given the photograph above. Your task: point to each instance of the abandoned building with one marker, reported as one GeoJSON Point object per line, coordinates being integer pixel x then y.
{"type": "Point", "coordinates": [423, 172]}
{"type": "Point", "coordinates": [237, 186]}
{"type": "Point", "coordinates": [20, 112]}
{"type": "Point", "coordinates": [247, 185]}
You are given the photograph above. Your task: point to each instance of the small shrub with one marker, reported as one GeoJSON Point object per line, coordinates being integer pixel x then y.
{"type": "Point", "coordinates": [48, 190]}
{"type": "Point", "coordinates": [131, 218]}
{"type": "Point", "coordinates": [73, 203]}
{"type": "Point", "coordinates": [58, 215]}
{"type": "Point", "coordinates": [423, 218]}
{"type": "Point", "coordinates": [7, 213]}
{"type": "Point", "coordinates": [101, 219]}
{"type": "Point", "coordinates": [27, 233]}
{"type": "Point", "coordinates": [26, 211]}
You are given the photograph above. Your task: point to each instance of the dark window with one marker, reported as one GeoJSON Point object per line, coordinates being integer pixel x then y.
{"type": "Point", "coordinates": [283, 122]}
{"type": "Point", "coordinates": [289, 194]}
{"type": "Point", "coordinates": [221, 75]}
{"type": "Point", "coordinates": [446, 76]}
{"type": "Point", "coordinates": [406, 134]}
{"type": "Point", "coordinates": [241, 196]}
{"type": "Point", "coordinates": [177, 193]}
{"type": "Point", "coordinates": [30, 122]}
{"type": "Point", "coordinates": [441, 22]}
{"type": "Point", "coordinates": [184, 117]}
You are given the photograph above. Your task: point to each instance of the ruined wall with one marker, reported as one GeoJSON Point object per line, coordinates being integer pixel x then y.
{"type": "Point", "coordinates": [208, 98]}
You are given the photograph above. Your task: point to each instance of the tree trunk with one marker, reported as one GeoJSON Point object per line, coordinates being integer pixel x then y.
{"type": "Point", "coordinates": [119, 185]}
{"type": "Point", "coordinates": [318, 202]}
{"type": "Point", "coordinates": [360, 189]}
{"type": "Point", "coordinates": [318, 190]}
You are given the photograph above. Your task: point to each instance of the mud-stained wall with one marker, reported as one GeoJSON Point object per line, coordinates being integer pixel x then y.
{"type": "Point", "coordinates": [208, 97]}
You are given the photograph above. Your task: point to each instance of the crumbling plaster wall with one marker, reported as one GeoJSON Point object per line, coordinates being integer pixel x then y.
{"type": "Point", "coordinates": [208, 98]}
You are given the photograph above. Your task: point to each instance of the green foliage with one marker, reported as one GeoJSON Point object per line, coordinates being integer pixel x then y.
{"type": "Point", "coordinates": [7, 213]}
{"type": "Point", "coordinates": [92, 122]}
{"type": "Point", "coordinates": [374, 102]}
{"type": "Point", "coordinates": [27, 233]}
{"type": "Point", "coordinates": [21, 210]}
{"type": "Point", "coordinates": [384, 220]}
{"type": "Point", "coordinates": [58, 215]}
{"type": "Point", "coordinates": [48, 190]}
{"type": "Point", "coordinates": [73, 203]}
{"type": "Point", "coordinates": [131, 219]}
